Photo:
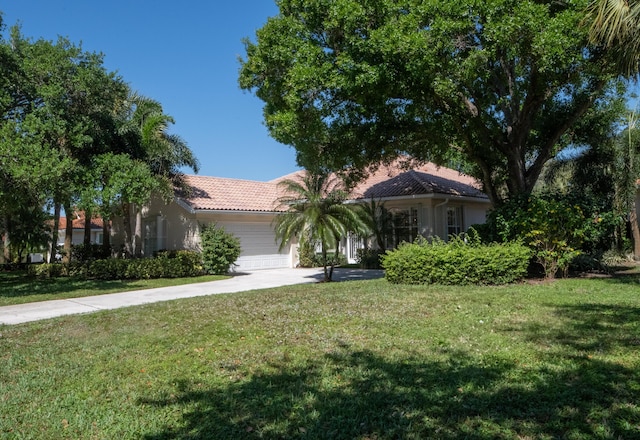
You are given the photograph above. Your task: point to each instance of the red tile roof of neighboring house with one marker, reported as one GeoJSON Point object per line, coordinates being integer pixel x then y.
{"type": "Point", "coordinates": [78, 222]}
{"type": "Point", "coordinates": [218, 193]}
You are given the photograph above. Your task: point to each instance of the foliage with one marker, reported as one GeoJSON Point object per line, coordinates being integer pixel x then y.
{"type": "Point", "coordinates": [67, 142]}
{"type": "Point", "coordinates": [82, 252]}
{"type": "Point", "coordinates": [613, 25]}
{"type": "Point", "coordinates": [168, 264]}
{"type": "Point", "coordinates": [551, 226]}
{"type": "Point", "coordinates": [220, 249]}
{"type": "Point", "coordinates": [48, 270]}
{"type": "Point", "coordinates": [501, 85]}
{"type": "Point", "coordinates": [314, 210]}
{"type": "Point", "coordinates": [379, 221]}
{"type": "Point", "coordinates": [307, 253]}
{"type": "Point", "coordinates": [368, 258]}
{"type": "Point", "coordinates": [457, 262]}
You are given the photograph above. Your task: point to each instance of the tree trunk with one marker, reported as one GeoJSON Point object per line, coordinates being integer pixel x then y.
{"type": "Point", "coordinates": [68, 235]}
{"type": "Point", "coordinates": [4, 256]}
{"type": "Point", "coordinates": [635, 229]}
{"type": "Point", "coordinates": [138, 232]}
{"type": "Point", "coordinates": [126, 224]}
{"type": "Point", "coordinates": [106, 236]}
{"type": "Point", "coordinates": [87, 228]}
{"type": "Point", "coordinates": [54, 232]}
{"type": "Point", "coordinates": [324, 262]}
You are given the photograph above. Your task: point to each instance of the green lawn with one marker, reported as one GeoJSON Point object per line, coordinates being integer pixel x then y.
{"type": "Point", "coordinates": [364, 360]}
{"type": "Point", "coordinates": [17, 288]}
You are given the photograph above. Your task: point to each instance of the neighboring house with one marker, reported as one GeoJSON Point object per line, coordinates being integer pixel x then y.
{"type": "Point", "coordinates": [78, 229]}
{"type": "Point", "coordinates": [425, 200]}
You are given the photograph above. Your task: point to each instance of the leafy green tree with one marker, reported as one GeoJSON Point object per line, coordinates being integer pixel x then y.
{"type": "Point", "coordinates": [316, 212]}
{"type": "Point", "coordinates": [503, 85]}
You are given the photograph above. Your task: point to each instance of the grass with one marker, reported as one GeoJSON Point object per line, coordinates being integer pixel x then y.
{"type": "Point", "coordinates": [18, 288]}
{"type": "Point", "coordinates": [354, 360]}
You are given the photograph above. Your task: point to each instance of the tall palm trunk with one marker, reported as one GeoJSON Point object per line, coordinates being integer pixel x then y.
{"type": "Point", "coordinates": [138, 232]}
{"type": "Point", "coordinates": [54, 232]}
{"type": "Point", "coordinates": [87, 228]}
{"type": "Point", "coordinates": [327, 275]}
{"type": "Point", "coordinates": [6, 245]}
{"type": "Point", "coordinates": [126, 224]}
{"type": "Point", "coordinates": [106, 236]}
{"type": "Point", "coordinates": [635, 229]}
{"type": "Point", "coordinates": [68, 235]}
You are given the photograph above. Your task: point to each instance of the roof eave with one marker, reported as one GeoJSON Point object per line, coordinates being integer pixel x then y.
{"type": "Point", "coordinates": [425, 196]}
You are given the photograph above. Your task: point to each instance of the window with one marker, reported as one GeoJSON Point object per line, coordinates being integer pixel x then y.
{"type": "Point", "coordinates": [405, 226]}
{"type": "Point", "coordinates": [454, 220]}
{"type": "Point", "coordinates": [154, 235]}
{"type": "Point", "coordinates": [99, 238]}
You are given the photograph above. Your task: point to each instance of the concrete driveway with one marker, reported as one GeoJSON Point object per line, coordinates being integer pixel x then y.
{"type": "Point", "coordinates": [259, 279]}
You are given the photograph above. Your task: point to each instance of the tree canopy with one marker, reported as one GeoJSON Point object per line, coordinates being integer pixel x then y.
{"type": "Point", "coordinates": [65, 140]}
{"type": "Point", "coordinates": [501, 85]}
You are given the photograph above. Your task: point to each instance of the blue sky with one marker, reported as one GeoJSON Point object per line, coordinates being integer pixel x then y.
{"type": "Point", "coordinates": [184, 55]}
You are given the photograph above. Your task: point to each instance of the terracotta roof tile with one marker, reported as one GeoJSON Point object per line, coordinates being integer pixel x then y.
{"type": "Point", "coordinates": [78, 222]}
{"type": "Point", "coordinates": [394, 181]}
{"type": "Point", "coordinates": [218, 193]}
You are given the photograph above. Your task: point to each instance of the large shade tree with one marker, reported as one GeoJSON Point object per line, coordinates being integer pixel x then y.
{"type": "Point", "coordinates": [502, 85]}
{"type": "Point", "coordinates": [315, 212]}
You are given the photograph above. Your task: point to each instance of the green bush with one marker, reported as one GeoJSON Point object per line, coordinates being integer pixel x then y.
{"type": "Point", "coordinates": [47, 270]}
{"type": "Point", "coordinates": [369, 258]}
{"type": "Point", "coordinates": [108, 269]}
{"type": "Point", "coordinates": [456, 262]}
{"type": "Point", "coordinates": [307, 254]}
{"type": "Point", "coordinates": [220, 249]}
{"type": "Point", "coordinates": [552, 227]}
{"type": "Point", "coordinates": [80, 252]}
{"type": "Point", "coordinates": [333, 259]}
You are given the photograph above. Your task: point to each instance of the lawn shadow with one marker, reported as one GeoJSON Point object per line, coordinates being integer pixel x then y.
{"type": "Point", "coordinates": [361, 394]}
{"type": "Point", "coordinates": [589, 328]}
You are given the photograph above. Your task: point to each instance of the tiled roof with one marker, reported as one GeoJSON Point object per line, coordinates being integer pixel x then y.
{"type": "Point", "coordinates": [225, 194]}
{"type": "Point", "coordinates": [218, 193]}
{"type": "Point", "coordinates": [393, 181]}
{"type": "Point", "coordinates": [78, 222]}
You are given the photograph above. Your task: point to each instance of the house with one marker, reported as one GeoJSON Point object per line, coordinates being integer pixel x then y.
{"type": "Point", "coordinates": [425, 200]}
{"type": "Point", "coordinates": [78, 222]}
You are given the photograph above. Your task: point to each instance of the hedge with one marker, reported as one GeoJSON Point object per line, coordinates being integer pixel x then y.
{"type": "Point", "coordinates": [456, 263]}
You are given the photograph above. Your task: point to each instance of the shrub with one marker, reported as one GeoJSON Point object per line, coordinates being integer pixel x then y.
{"type": "Point", "coordinates": [307, 254]}
{"type": "Point", "coordinates": [369, 258]}
{"type": "Point", "coordinates": [108, 269]}
{"type": "Point", "coordinates": [81, 252]}
{"type": "Point", "coordinates": [47, 270]}
{"type": "Point", "coordinates": [456, 262]}
{"type": "Point", "coordinates": [220, 249]}
{"type": "Point", "coordinates": [333, 259]}
{"type": "Point", "coordinates": [553, 228]}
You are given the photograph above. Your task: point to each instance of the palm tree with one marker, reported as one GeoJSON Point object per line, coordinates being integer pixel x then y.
{"type": "Point", "coordinates": [144, 127]}
{"type": "Point", "coordinates": [316, 212]}
{"type": "Point", "coordinates": [379, 222]}
{"type": "Point", "coordinates": [615, 25]}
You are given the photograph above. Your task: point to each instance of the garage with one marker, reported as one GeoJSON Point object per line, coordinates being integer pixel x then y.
{"type": "Point", "coordinates": [259, 248]}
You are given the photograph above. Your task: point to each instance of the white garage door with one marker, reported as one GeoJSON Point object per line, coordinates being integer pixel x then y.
{"type": "Point", "coordinates": [259, 248]}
